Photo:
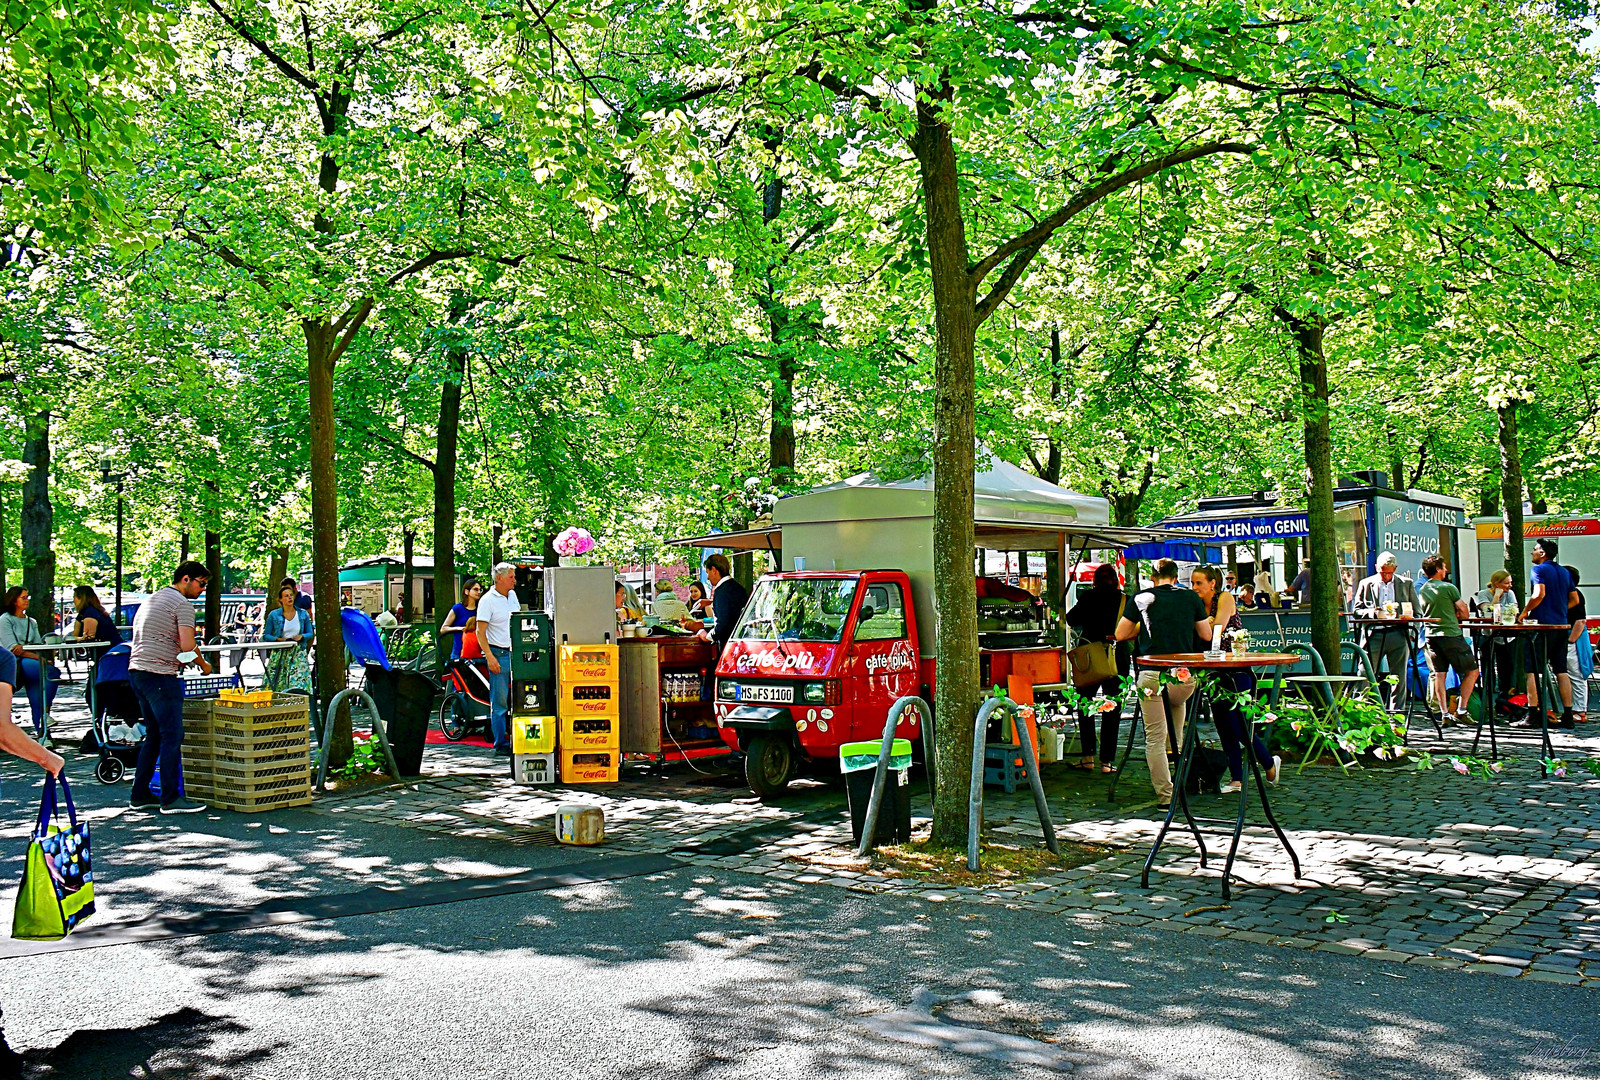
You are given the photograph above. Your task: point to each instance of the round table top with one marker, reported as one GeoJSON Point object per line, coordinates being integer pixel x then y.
{"type": "Point", "coordinates": [1510, 628]}
{"type": "Point", "coordinates": [57, 646]}
{"type": "Point", "coordinates": [1226, 662]}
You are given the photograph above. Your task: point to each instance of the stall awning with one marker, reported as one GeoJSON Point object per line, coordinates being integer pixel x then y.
{"type": "Point", "coordinates": [1014, 535]}
{"type": "Point", "coordinates": [995, 535]}
{"type": "Point", "coordinates": [768, 539]}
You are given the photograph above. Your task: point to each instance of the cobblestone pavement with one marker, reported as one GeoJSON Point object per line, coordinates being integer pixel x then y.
{"type": "Point", "coordinates": [1402, 867]}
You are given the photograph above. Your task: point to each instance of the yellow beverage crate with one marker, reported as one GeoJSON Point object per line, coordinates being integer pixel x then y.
{"type": "Point", "coordinates": [571, 710]}
{"type": "Point", "coordinates": [587, 692]}
{"type": "Point", "coordinates": [590, 733]}
{"type": "Point", "coordinates": [533, 734]}
{"type": "Point", "coordinates": [588, 664]}
{"type": "Point", "coordinates": [589, 766]}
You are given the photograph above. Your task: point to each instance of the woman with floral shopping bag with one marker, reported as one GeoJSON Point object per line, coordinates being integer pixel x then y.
{"type": "Point", "coordinates": [15, 742]}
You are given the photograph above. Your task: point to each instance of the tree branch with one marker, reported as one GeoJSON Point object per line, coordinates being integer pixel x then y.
{"type": "Point", "coordinates": [1041, 233]}
{"type": "Point", "coordinates": [266, 50]}
{"type": "Point", "coordinates": [986, 306]}
{"type": "Point", "coordinates": [412, 454]}
{"type": "Point", "coordinates": [346, 328]}
{"type": "Point", "coordinates": [430, 259]}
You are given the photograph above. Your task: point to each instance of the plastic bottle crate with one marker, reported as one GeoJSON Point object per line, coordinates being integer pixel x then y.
{"type": "Point", "coordinates": [207, 686]}
{"type": "Point", "coordinates": [533, 768]}
{"type": "Point", "coordinates": [571, 710]}
{"type": "Point", "coordinates": [589, 664]}
{"type": "Point", "coordinates": [590, 733]}
{"type": "Point", "coordinates": [533, 654]}
{"type": "Point", "coordinates": [271, 800]}
{"type": "Point", "coordinates": [590, 766]}
{"type": "Point", "coordinates": [533, 734]}
{"type": "Point", "coordinates": [533, 697]}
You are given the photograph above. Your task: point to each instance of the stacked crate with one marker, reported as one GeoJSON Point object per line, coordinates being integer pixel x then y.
{"type": "Point", "coordinates": [533, 696]}
{"type": "Point", "coordinates": [248, 755]}
{"type": "Point", "coordinates": [590, 714]}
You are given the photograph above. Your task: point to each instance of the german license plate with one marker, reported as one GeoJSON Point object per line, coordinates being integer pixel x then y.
{"type": "Point", "coordinates": [775, 695]}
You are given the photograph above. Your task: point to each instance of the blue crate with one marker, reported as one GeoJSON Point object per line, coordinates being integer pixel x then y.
{"type": "Point", "coordinates": [209, 686]}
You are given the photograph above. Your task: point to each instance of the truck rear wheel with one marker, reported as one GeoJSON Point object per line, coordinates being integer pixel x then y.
{"type": "Point", "coordinates": [769, 764]}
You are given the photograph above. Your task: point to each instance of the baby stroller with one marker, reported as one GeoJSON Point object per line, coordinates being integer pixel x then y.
{"type": "Point", "coordinates": [466, 699]}
{"type": "Point", "coordinates": [118, 724]}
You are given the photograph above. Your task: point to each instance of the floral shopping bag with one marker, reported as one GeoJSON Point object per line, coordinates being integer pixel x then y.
{"type": "Point", "coordinates": [57, 883]}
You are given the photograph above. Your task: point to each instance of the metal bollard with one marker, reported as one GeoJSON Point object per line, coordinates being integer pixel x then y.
{"type": "Point", "coordinates": [377, 729]}
{"type": "Point", "coordinates": [1030, 763]}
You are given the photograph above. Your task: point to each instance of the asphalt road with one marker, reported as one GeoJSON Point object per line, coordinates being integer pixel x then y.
{"type": "Point", "coordinates": [689, 973]}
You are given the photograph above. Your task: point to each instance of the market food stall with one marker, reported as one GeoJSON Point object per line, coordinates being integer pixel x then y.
{"type": "Point", "coordinates": [828, 644]}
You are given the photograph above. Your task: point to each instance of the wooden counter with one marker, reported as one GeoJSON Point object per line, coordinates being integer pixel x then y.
{"type": "Point", "coordinates": [653, 726]}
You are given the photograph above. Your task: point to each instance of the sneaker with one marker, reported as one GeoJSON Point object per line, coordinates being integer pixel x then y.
{"type": "Point", "coordinates": [1232, 787]}
{"type": "Point", "coordinates": [1566, 722]}
{"type": "Point", "coordinates": [183, 806]}
{"type": "Point", "coordinates": [143, 804]}
{"type": "Point", "coordinates": [1275, 772]}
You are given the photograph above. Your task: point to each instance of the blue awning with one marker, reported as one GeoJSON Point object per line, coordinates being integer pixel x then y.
{"type": "Point", "coordinates": [1186, 553]}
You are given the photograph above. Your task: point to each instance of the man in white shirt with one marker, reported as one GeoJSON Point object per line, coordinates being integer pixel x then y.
{"type": "Point", "coordinates": [494, 634]}
{"type": "Point", "coordinates": [1391, 642]}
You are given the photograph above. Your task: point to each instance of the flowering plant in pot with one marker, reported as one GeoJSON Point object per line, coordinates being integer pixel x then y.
{"type": "Point", "coordinates": [573, 543]}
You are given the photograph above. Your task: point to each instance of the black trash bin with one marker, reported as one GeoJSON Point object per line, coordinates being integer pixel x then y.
{"type": "Point", "coordinates": [858, 761]}
{"type": "Point", "coordinates": [405, 704]}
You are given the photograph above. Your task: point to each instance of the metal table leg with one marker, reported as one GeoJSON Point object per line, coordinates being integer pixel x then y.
{"type": "Point", "coordinates": [1179, 784]}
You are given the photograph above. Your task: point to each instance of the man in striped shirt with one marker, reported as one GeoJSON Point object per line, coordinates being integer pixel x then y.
{"type": "Point", "coordinates": [163, 641]}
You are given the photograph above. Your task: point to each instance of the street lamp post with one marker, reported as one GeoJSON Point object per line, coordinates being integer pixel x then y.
{"type": "Point", "coordinates": [116, 478]}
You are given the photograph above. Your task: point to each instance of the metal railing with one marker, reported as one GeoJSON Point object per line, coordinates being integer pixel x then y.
{"type": "Point", "coordinates": [930, 752]}
{"type": "Point", "coordinates": [377, 729]}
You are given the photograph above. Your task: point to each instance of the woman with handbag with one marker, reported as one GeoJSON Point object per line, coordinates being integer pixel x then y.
{"type": "Point", "coordinates": [1099, 664]}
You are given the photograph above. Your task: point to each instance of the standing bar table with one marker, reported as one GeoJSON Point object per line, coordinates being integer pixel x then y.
{"type": "Point", "coordinates": [1199, 702]}
{"type": "Point", "coordinates": [1407, 625]}
{"type": "Point", "coordinates": [44, 677]}
{"type": "Point", "coordinates": [1486, 633]}
{"type": "Point", "coordinates": [254, 646]}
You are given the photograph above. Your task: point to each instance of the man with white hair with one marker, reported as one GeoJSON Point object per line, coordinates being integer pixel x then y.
{"type": "Point", "coordinates": [1390, 643]}
{"type": "Point", "coordinates": [494, 634]}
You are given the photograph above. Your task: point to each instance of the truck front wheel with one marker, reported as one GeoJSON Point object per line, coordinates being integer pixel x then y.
{"type": "Point", "coordinates": [769, 764]}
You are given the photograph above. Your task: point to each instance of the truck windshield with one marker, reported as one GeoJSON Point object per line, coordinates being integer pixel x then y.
{"type": "Point", "coordinates": [797, 609]}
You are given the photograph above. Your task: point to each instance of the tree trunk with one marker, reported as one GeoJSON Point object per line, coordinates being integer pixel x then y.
{"type": "Point", "coordinates": [1231, 557]}
{"type": "Point", "coordinates": [5, 581]}
{"type": "Point", "coordinates": [1321, 544]}
{"type": "Point", "coordinates": [955, 614]}
{"type": "Point", "coordinates": [1511, 495]}
{"type": "Point", "coordinates": [38, 523]}
{"type": "Point", "coordinates": [277, 570]}
{"type": "Point", "coordinates": [1488, 503]}
{"type": "Point", "coordinates": [408, 576]}
{"type": "Point", "coordinates": [213, 564]}
{"type": "Point", "coordinates": [1291, 559]}
{"type": "Point", "coordinates": [496, 556]}
{"type": "Point", "coordinates": [183, 547]}
{"type": "Point", "coordinates": [444, 487]}
{"type": "Point", "coordinates": [331, 676]}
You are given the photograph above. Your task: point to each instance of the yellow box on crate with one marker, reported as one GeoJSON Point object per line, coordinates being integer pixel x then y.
{"type": "Point", "coordinates": [533, 734]}
{"type": "Point", "coordinates": [238, 696]}
{"type": "Point", "coordinates": [588, 664]}
{"type": "Point", "coordinates": [589, 766]}
{"type": "Point", "coordinates": [591, 733]}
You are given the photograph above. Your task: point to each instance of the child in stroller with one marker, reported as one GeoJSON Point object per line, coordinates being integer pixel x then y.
{"type": "Point", "coordinates": [118, 724]}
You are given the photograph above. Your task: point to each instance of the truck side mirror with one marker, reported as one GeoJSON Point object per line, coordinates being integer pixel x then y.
{"type": "Point", "coordinates": [866, 613]}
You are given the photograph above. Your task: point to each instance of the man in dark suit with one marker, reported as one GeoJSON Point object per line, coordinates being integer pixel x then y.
{"type": "Point", "coordinates": [728, 598]}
